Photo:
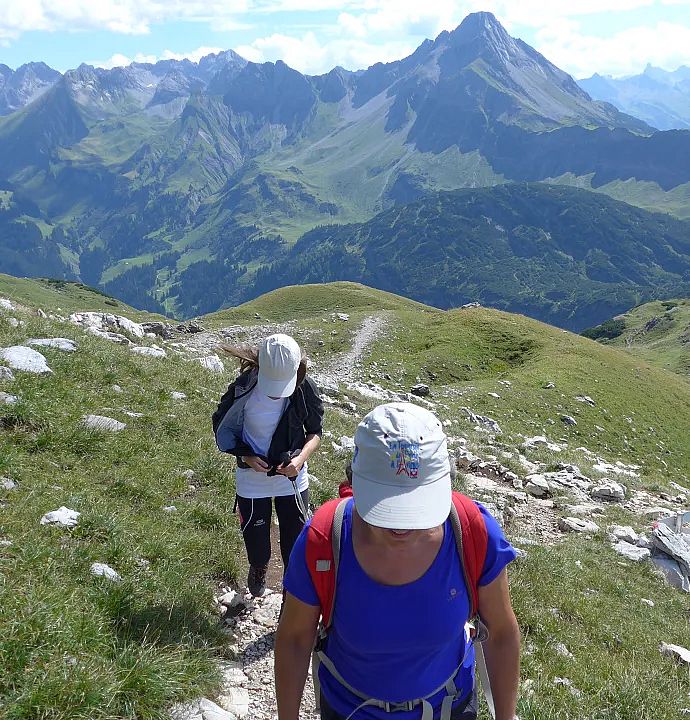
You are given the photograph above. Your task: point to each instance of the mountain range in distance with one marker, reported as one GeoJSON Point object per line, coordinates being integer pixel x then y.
{"type": "Point", "coordinates": [175, 185]}
{"type": "Point", "coordinates": [659, 97]}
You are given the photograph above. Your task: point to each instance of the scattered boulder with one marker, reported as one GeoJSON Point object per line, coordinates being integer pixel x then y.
{"type": "Point", "coordinates": [20, 357]}
{"type": "Point", "coordinates": [103, 570]}
{"type": "Point", "coordinates": [212, 363]}
{"type": "Point", "coordinates": [7, 484]}
{"type": "Point", "coordinates": [102, 423]}
{"type": "Point", "coordinates": [672, 571]}
{"type": "Point", "coordinates": [610, 491]}
{"type": "Point", "coordinates": [585, 399]}
{"type": "Point", "coordinates": [152, 351]}
{"type": "Point", "coordinates": [648, 603]}
{"type": "Point", "coordinates": [470, 305]}
{"type": "Point", "coordinates": [420, 390]}
{"type": "Point", "coordinates": [6, 374]}
{"type": "Point", "coordinates": [482, 421]}
{"type": "Point", "coordinates": [537, 485]}
{"type": "Point", "coordinates": [631, 552]}
{"type": "Point", "coordinates": [101, 322]}
{"type": "Point", "coordinates": [8, 305]}
{"type": "Point", "coordinates": [63, 517]}
{"type": "Point", "coordinates": [201, 709]}
{"type": "Point", "coordinates": [161, 329]}
{"type": "Point", "coordinates": [549, 386]}
{"type": "Point", "coordinates": [563, 651]}
{"type": "Point", "coordinates": [494, 395]}
{"type": "Point", "coordinates": [623, 533]}
{"type": "Point", "coordinates": [541, 441]}
{"type": "Point", "coordinates": [568, 420]}
{"type": "Point", "coordinates": [676, 652]}
{"type": "Point", "coordinates": [7, 399]}
{"type": "Point", "coordinates": [178, 395]}
{"type": "Point", "coordinates": [62, 344]}
{"type": "Point", "coordinates": [572, 524]}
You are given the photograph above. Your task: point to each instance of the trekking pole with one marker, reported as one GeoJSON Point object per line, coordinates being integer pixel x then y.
{"type": "Point", "coordinates": [301, 505]}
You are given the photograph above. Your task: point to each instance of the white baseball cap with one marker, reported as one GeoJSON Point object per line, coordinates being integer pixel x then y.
{"type": "Point", "coordinates": [279, 359]}
{"type": "Point", "coordinates": [401, 469]}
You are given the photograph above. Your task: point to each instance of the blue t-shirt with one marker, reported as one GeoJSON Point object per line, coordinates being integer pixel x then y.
{"type": "Point", "coordinates": [397, 643]}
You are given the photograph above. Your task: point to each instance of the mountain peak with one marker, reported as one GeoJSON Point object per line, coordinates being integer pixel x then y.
{"type": "Point", "coordinates": [481, 25]}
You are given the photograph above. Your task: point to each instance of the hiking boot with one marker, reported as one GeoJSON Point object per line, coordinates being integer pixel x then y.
{"type": "Point", "coordinates": [256, 580]}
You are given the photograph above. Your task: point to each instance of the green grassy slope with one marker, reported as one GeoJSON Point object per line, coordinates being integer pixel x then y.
{"type": "Point", "coordinates": [74, 647]}
{"type": "Point", "coordinates": [657, 331]}
{"type": "Point", "coordinates": [49, 295]}
{"type": "Point", "coordinates": [308, 301]}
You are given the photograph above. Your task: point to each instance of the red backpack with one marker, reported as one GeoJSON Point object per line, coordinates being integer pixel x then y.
{"type": "Point", "coordinates": [323, 549]}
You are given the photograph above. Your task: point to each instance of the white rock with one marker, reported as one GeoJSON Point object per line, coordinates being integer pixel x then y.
{"type": "Point", "coordinates": [624, 533]}
{"type": "Point", "coordinates": [537, 485]}
{"type": "Point", "coordinates": [13, 322]}
{"type": "Point", "coordinates": [178, 395]}
{"type": "Point", "coordinates": [672, 571]}
{"type": "Point", "coordinates": [188, 475]}
{"type": "Point", "coordinates": [57, 343]}
{"type": "Point", "coordinates": [494, 395]}
{"type": "Point", "coordinates": [612, 491]}
{"type": "Point", "coordinates": [6, 374]}
{"type": "Point", "coordinates": [230, 598]}
{"type": "Point", "coordinates": [631, 552]}
{"type": "Point", "coordinates": [6, 304]}
{"type": "Point", "coordinates": [676, 652]}
{"type": "Point", "coordinates": [568, 420]}
{"type": "Point", "coordinates": [19, 357]}
{"type": "Point", "coordinates": [116, 389]}
{"type": "Point", "coordinates": [645, 601]}
{"type": "Point", "coordinates": [153, 351]}
{"type": "Point", "coordinates": [102, 423]}
{"type": "Point", "coordinates": [572, 524]}
{"type": "Point", "coordinates": [236, 701]}
{"type": "Point", "coordinates": [562, 650]}
{"type": "Point", "coordinates": [103, 570]}
{"type": "Point", "coordinates": [7, 399]}
{"type": "Point", "coordinates": [63, 516]}
{"type": "Point", "coordinates": [212, 363]}
{"type": "Point", "coordinates": [343, 316]}
{"type": "Point", "coordinates": [585, 399]}
{"type": "Point", "coordinates": [7, 484]}
{"type": "Point", "coordinates": [211, 711]}
{"type": "Point", "coordinates": [104, 321]}
{"type": "Point", "coordinates": [170, 509]}
{"type": "Point", "coordinates": [540, 440]}
{"type": "Point", "coordinates": [5, 543]}
{"type": "Point", "coordinates": [233, 675]}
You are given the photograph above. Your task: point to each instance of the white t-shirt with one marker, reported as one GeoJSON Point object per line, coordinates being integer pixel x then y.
{"type": "Point", "coordinates": [261, 417]}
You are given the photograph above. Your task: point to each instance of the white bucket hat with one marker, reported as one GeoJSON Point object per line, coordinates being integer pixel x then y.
{"type": "Point", "coordinates": [401, 469]}
{"type": "Point", "coordinates": [279, 359]}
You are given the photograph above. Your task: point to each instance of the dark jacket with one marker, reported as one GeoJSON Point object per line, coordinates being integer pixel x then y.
{"type": "Point", "coordinates": [303, 416]}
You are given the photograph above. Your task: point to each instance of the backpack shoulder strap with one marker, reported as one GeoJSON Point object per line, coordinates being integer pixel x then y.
{"type": "Point", "coordinates": [471, 539]}
{"type": "Point", "coordinates": [323, 553]}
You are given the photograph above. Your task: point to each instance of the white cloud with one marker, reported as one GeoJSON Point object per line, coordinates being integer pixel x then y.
{"type": "Point", "coordinates": [119, 60]}
{"type": "Point", "coordinates": [665, 45]}
{"type": "Point", "coordinates": [121, 16]}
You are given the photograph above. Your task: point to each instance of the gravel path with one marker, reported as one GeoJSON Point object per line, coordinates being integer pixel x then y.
{"type": "Point", "coordinates": [347, 365]}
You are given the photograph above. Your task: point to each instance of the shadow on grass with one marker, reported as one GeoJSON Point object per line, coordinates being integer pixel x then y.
{"type": "Point", "coordinates": [186, 623]}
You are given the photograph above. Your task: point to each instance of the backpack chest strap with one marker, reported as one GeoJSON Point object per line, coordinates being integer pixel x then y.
{"type": "Point", "coordinates": [452, 693]}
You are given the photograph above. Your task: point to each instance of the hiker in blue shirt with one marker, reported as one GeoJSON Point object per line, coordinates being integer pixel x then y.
{"type": "Point", "coordinates": [398, 640]}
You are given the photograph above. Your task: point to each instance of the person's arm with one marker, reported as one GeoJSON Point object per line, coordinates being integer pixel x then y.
{"type": "Point", "coordinates": [293, 645]}
{"type": "Point", "coordinates": [502, 649]}
{"type": "Point", "coordinates": [295, 465]}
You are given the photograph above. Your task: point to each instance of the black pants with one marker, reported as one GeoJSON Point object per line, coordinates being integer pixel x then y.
{"type": "Point", "coordinates": [255, 522]}
{"type": "Point", "coordinates": [465, 711]}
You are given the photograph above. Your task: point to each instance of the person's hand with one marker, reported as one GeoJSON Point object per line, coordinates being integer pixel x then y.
{"type": "Point", "coordinates": [255, 463]}
{"type": "Point", "coordinates": [292, 468]}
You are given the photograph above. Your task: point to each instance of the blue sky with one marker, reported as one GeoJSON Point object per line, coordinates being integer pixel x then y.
{"type": "Point", "coordinates": [615, 37]}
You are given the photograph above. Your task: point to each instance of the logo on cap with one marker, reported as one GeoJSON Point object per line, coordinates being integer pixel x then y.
{"type": "Point", "coordinates": [404, 457]}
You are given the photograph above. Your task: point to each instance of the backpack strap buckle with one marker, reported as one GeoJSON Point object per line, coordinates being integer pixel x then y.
{"type": "Point", "coordinates": [406, 706]}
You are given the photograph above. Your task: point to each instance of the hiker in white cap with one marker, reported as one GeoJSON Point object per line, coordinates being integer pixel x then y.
{"type": "Point", "coordinates": [407, 577]}
{"type": "Point", "coordinates": [270, 419]}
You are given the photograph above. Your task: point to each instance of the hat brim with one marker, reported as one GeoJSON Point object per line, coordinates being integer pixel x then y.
{"type": "Point", "coordinates": [276, 388]}
{"type": "Point", "coordinates": [398, 508]}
